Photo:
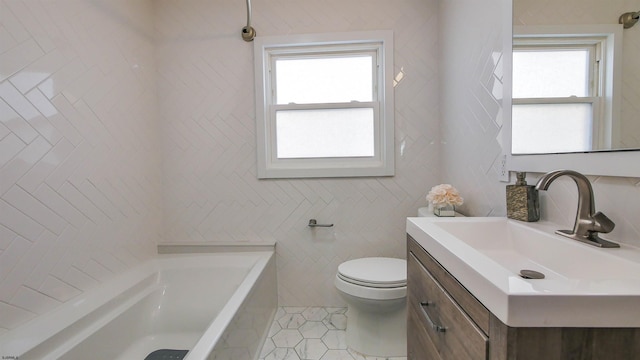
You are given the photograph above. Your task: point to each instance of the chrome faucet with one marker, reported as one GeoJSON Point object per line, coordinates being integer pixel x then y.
{"type": "Point", "coordinates": [588, 222]}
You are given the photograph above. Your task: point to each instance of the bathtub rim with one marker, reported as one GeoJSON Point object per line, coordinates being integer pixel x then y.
{"type": "Point", "coordinates": [107, 300]}
{"type": "Point", "coordinates": [46, 327]}
{"type": "Point", "coordinates": [216, 328]}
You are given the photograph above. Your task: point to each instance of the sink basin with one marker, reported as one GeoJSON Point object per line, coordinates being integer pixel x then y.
{"type": "Point", "coordinates": [584, 286]}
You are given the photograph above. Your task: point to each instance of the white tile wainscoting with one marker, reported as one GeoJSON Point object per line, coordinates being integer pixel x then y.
{"type": "Point", "coordinates": [95, 171]}
{"type": "Point", "coordinates": [207, 119]}
{"type": "Point", "coordinates": [311, 333]}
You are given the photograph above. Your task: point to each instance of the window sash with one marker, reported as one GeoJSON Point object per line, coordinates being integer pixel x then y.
{"type": "Point", "coordinates": [377, 128]}
{"type": "Point", "coordinates": [557, 100]}
{"type": "Point", "coordinates": [378, 45]}
{"type": "Point", "coordinates": [595, 72]}
{"type": "Point", "coordinates": [316, 54]}
{"type": "Point", "coordinates": [596, 109]}
{"type": "Point", "coordinates": [591, 46]}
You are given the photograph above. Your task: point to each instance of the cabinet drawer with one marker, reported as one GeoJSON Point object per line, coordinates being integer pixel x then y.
{"type": "Point", "coordinates": [452, 332]}
{"type": "Point", "coordinates": [419, 344]}
{"type": "Point", "coordinates": [474, 308]}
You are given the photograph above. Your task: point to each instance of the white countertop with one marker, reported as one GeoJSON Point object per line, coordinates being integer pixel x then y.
{"type": "Point", "coordinates": [584, 286]}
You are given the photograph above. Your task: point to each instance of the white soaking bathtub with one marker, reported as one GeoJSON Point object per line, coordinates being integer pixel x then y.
{"type": "Point", "coordinates": [216, 306]}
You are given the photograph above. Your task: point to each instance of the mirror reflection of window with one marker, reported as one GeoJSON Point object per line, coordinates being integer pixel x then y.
{"type": "Point", "coordinates": [547, 72]}
{"type": "Point", "coordinates": [556, 95]}
{"type": "Point", "coordinates": [551, 128]}
{"type": "Point", "coordinates": [567, 88]}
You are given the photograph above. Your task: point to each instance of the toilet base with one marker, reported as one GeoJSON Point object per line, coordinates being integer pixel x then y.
{"type": "Point", "coordinates": [382, 334]}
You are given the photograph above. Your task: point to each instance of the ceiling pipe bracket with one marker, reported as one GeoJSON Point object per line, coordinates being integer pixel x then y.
{"type": "Point", "coordinates": [629, 19]}
{"type": "Point", "coordinates": [248, 32]}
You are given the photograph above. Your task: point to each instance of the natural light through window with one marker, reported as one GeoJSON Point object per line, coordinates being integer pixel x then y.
{"type": "Point", "coordinates": [325, 133]}
{"type": "Point", "coordinates": [555, 96]}
{"type": "Point", "coordinates": [551, 128]}
{"type": "Point", "coordinates": [324, 105]}
{"type": "Point", "coordinates": [324, 80]}
{"type": "Point", "coordinates": [552, 73]}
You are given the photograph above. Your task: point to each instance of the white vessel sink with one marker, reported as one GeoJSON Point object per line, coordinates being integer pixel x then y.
{"type": "Point", "coordinates": [584, 286]}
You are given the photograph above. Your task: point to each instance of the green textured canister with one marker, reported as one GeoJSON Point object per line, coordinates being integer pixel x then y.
{"type": "Point", "coordinates": [522, 200]}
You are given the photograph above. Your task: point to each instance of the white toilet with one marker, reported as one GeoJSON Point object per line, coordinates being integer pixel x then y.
{"type": "Point", "coordinates": [375, 290]}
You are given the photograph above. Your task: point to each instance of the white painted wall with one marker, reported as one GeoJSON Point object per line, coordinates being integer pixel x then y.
{"type": "Point", "coordinates": [79, 161]}
{"type": "Point", "coordinates": [206, 90]}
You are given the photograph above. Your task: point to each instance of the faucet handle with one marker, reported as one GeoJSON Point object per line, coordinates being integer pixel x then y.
{"type": "Point", "coordinates": [602, 223]}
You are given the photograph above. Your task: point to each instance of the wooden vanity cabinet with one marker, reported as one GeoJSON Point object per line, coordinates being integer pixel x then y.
{"type": "Point", "coordinates": [435, 302]}
{"type": "Point", "coordinates": [445, 321]}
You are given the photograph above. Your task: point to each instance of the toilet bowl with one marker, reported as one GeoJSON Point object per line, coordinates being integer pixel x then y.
{"type": "Point", "coordinates": [375, 290]}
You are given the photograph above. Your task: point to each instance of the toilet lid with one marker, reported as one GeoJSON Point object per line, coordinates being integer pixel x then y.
{"type": "Point", "coordinates": [375, 272]}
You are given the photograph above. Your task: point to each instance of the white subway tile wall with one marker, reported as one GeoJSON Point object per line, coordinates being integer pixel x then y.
{"type": "Point", "coordinates": [206, 96]}
{"type": "Point", "coordinates": [80, 159]}
{"type": "Point", "coordinates": [85, 148]}
{"type": "Point", "coordinates": [472, 113]}
{"type": "Point", "coordinates": [617, 197]}
{"type": "Point", "coordinates": [471, 103]}
{"type": "Point", "coordinates": [549, 12]}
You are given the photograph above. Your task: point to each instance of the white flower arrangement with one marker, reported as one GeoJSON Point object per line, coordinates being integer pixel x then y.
{"type": "Point", "coordinates": [444, 194]}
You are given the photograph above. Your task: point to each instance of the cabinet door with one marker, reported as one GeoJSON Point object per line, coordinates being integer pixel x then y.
{"type": "Point", "coordinates": [419, 344]}
{"type": "Point", "coordinates": [451, 331]}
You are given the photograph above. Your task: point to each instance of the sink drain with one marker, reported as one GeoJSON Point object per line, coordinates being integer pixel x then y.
{"type": "Point", "coordinates": [531, 274]}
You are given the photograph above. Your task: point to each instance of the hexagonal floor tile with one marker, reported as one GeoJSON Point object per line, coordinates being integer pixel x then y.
{"type": "Point", "coordinates": [336, 321]}
{"type": "Point", "coordinates": [335, 339]}
{"type": "Point", "coordinates": [286, 338]}
{"type": "Point", "coordinates": [295, 335]}
{"type": "Point", "coordinates": [311, 349]}
{"type": "Point", "coordinates": [291, 321]}
{"type": "Point", "coordinates": [313, 330]}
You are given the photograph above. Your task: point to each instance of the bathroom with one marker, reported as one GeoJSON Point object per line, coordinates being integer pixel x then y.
{"type": "Point", "coordinates": [131, 124]}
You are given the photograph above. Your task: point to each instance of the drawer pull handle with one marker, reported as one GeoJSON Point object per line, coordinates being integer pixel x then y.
{"type": "Point", "coordinates": [436, 328]}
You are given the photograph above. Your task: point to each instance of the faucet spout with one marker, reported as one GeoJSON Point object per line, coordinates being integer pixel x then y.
{"type": "Point", "coordinates": [588, 223]}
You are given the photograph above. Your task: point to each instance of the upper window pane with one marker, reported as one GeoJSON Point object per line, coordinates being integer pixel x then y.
{"type": "Point", "coordinates": [550, 73]}
{"type": "Point", "coordinates": [324, 80]}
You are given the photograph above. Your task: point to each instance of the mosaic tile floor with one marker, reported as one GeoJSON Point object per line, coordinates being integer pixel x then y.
{"type": "Point", "coordinates": [310, 333]}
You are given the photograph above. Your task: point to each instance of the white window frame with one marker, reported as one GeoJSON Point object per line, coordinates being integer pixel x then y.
{"type": "Point", "coordinates": [267, 49]}
{"type": "Point", "coordinates": [605, 42]}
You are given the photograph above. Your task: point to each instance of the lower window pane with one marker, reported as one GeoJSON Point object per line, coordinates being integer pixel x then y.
{"type": "Point", "coordinates": [327, 133]}
{"type": "Point", "coordinates": [551, 128]}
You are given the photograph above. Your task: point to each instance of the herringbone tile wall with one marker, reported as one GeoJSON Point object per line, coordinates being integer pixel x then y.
{"type": "Point", "coordinates": [206, 96]}
{"type": "Point", "coordinates": [617, 197]}
{"type": "Point", "coordinates": [79, 158]}
{"type": "Point", "coordinates": [471, 102]}
{"type": "Point", "coordinates": [472, 112]}
{"type": "Point", "coordinates": [81, 166]}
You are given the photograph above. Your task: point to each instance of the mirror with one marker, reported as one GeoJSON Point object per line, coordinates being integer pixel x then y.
{"type": "Point", "coordinates": [607, 94]}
